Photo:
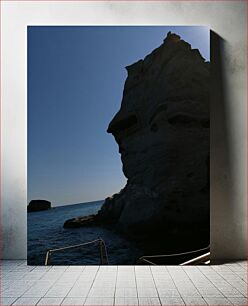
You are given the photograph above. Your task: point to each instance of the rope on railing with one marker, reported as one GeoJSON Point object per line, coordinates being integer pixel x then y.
{"type": "Point", "coordinates": [102, 247]}
{"type": "Point", "coordinates": [146, 258]}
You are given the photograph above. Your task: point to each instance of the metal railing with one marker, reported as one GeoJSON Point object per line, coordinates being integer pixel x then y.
{"type": "Point", "coordinates": [102, 249]}
{"type": "Point", "coordinates": [203, 258]}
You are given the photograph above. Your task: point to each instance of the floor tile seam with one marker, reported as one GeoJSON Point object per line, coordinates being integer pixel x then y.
{"type": "Point", "coordinates": [115, 284]}
{"type": "Point", "coordinates": [72, 284]}
{"type": "Point", "coordinates": [167, 272]}
{"type": "Point", "coordinates": [54, 295]}
{"type": "Point", "coordinates": [87, 295]}
{"type": "Point", "coordinates": [39, 298]}
{"type": "Point", "coordinates": [237, 273]}
{"type": "Point", "coordinates": [231, 284]}
{"type": "Point", "coordinates": [232, 272]}
{"type": "Point", "coordinates": [227, 298]}
{"type": "Point", "coordinates": [136, 285]}
{"type": "Point", "coordinates": [238, 298]}
{"type": "Point", "coordinates": [189, 297]}
{"type": "Point", "coordinates": [175, 286]}
{"type": "Point", "coordinates": [14, 300]}
{"type": "Point", "coordinates": [155, 286]}
{"type": "Point", "coordinates": [214, 285]}
{"type": "Point", "coordinates": [243, 263]}
{"type": "Point", "coordinates": [193, 284]}
{"type": "Point", "coordinates": [25, 291]}
{"type": "Point", "coordinates": [44, 293]}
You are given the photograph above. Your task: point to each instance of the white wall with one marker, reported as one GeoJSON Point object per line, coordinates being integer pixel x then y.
{"type": "Point", "coordinates": [228, 104]}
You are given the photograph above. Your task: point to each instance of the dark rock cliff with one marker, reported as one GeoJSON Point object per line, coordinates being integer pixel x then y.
{"type": "Point", "coordinates": [162, 130]}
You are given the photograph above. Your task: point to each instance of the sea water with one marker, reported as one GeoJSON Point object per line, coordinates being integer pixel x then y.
{"type": "Point", "coordinates": [46, 232]}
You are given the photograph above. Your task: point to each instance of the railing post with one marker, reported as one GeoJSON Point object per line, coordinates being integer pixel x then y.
{"type": "Point", "coordinates": [105, 252]}
{"type": "Point", "coordinates": [101, 254]}
{"type": "Point", "coordinates": [47, 258]}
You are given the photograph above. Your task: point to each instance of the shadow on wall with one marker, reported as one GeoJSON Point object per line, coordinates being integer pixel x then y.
{"type": "Point", "coordinates": [222, 208]}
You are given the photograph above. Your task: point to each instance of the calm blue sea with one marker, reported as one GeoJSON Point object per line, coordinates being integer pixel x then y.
{"type": "Point", "coordinates": [45, 231]}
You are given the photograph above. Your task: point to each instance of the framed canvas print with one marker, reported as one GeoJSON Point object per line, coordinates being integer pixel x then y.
{"type": "Point", "coordinates": [118, 145]}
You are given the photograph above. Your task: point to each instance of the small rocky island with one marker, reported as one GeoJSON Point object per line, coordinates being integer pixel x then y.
{"type": "Point", "coordinates": [38, 205]}
{"type": "Point", "coordinates": [162, 130]}
{"type": "Point", "coordinates": [80, 222]}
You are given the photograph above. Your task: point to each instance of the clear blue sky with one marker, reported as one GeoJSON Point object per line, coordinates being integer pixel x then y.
{"type": "Point", "coordinates": [75, 83]}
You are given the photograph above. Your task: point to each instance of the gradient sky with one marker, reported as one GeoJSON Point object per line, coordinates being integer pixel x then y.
{"type": "Point", "coordinates": [75, 84]}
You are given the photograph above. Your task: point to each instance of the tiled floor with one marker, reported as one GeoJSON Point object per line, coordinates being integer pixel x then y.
{"type": "Point", "coordinates": [123, 285]}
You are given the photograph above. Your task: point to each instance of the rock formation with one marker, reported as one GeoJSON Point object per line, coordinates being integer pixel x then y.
{"type": "Point", "coordinates": [37, 205]}
{"type": "Point", "coordinates": [80, 222]}
{"type": "Point", "coordinates": [162, 130]}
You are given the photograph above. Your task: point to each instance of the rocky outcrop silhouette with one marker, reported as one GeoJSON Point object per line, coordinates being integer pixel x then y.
{"type": "Point", "coordinates": [162, 130]}
{"type": "Point", "coordinates": [37, 205]}
{"type": "Point", "coordinates": [80, 222]}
